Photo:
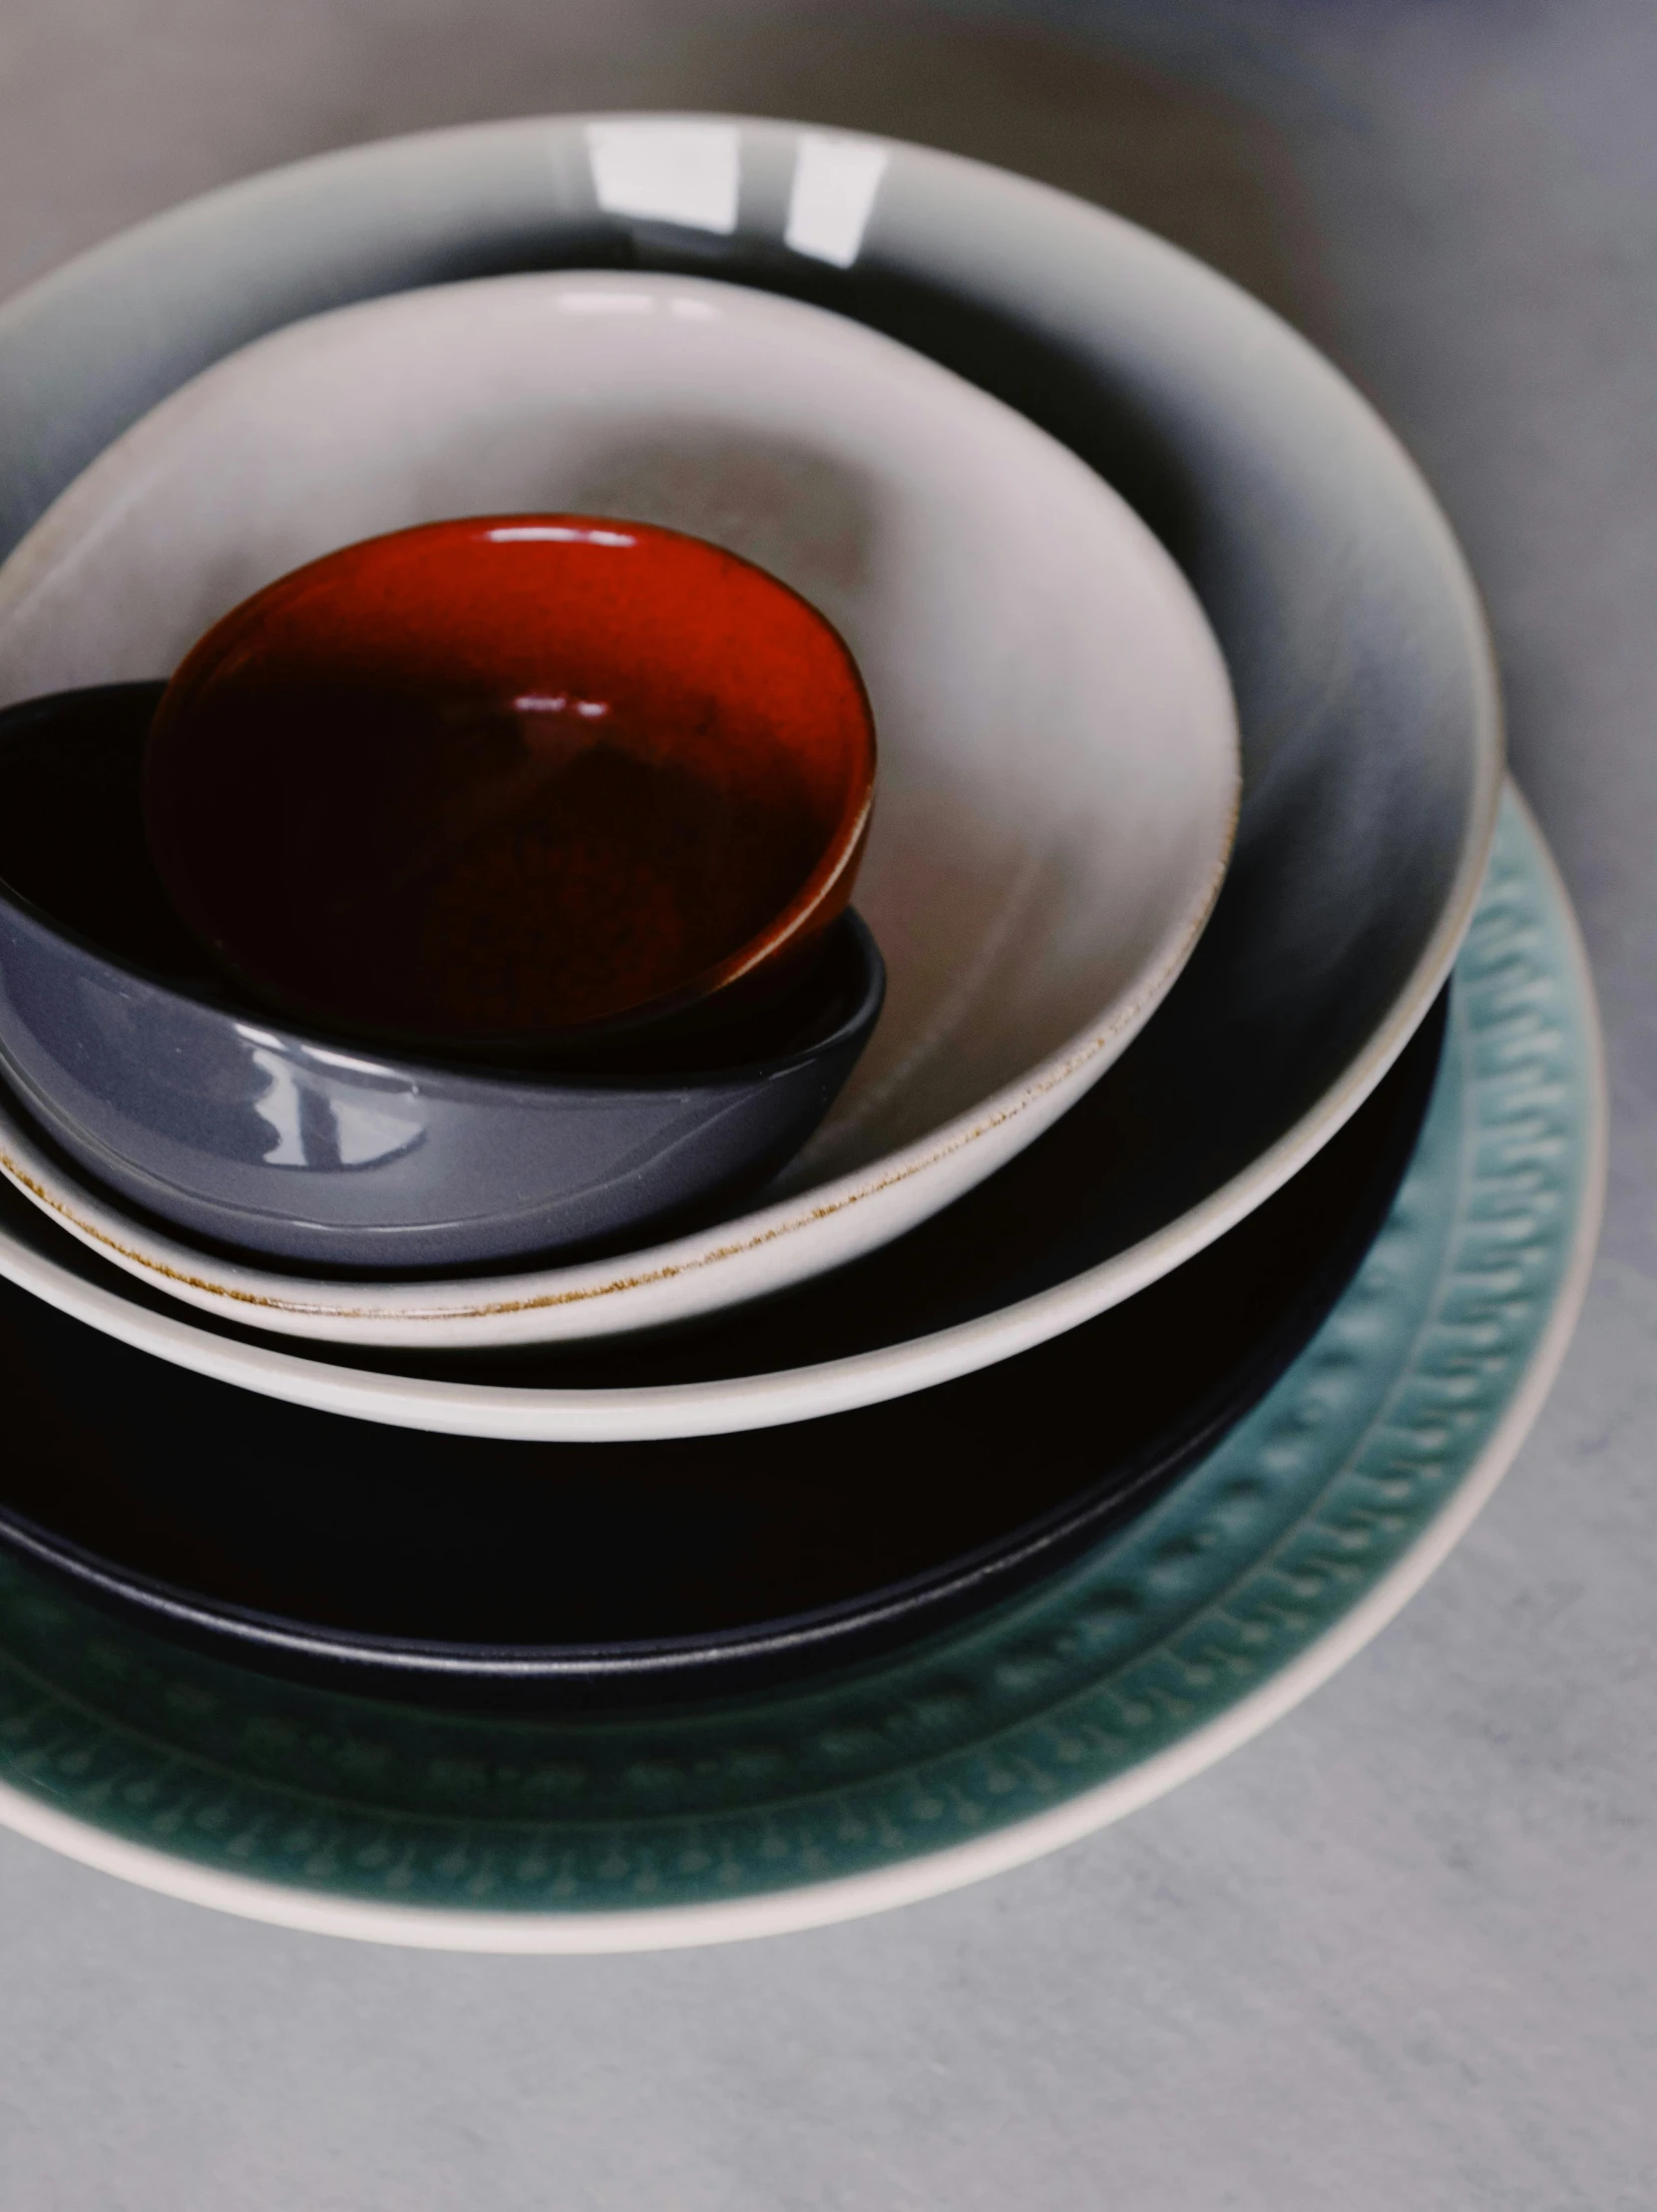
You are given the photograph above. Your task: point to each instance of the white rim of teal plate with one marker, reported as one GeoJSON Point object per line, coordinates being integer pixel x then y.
{"type": "Point", "coordinates": [1253, 1582]}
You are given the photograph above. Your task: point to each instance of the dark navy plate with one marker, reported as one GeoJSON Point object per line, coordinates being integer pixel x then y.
{"type": "Point", "coordinates": [407, 1564]}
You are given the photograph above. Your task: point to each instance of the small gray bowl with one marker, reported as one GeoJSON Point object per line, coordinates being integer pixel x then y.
{"type": "Point", "coordinates": [207, 1112]}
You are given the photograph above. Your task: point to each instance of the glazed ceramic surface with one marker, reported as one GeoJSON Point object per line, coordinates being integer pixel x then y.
{"type": "Point", "coordinates": [529, 784]}
{"type": "Point", "coordinates": [1248, 1585]}
{"type": "Point", "coordinates": [1057, 741]}
{"type": "Point", "coordinates": [511, 1573]}
{"type": "Point", "coordinates": [1355, 644]}
{"type": "Point", "coordinates": [218, 1115]}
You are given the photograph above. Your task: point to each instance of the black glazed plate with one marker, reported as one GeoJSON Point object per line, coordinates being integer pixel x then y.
{"type": "Point", "coordinates": [405, 1563]}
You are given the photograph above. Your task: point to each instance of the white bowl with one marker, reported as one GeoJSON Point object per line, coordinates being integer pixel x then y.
{"type": "Point", "coordinates": [1371, 732]}
{"type": "Point", "coordinates": [1059, 753]}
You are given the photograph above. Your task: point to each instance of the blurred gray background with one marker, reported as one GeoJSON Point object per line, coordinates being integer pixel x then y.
{"type": "Point", "coordinates": [1402, 1951]}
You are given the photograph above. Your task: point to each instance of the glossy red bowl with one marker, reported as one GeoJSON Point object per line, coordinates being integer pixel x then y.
{"type": "Point", "coordinates": [516, 784]}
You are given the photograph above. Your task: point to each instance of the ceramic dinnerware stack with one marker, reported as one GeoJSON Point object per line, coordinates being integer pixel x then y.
{"type": "Point", "coordinates": [1101, 532]}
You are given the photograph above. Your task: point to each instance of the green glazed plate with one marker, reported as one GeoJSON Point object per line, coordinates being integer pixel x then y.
{"type": "Point", "coordinates": [1258, 1576]}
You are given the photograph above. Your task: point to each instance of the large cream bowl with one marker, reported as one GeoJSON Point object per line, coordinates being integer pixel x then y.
{"type": "Point", "coordinates": [1371, 738]}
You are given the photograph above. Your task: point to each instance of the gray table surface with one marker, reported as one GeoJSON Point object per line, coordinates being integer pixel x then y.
{"type": "Point", "coordinates": [1403, 1950]}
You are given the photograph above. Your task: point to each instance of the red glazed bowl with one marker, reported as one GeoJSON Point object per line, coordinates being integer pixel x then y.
{"type": "Point", "coordinates": [520, 785]}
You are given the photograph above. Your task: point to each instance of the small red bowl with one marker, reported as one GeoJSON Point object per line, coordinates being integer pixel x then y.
{"type": "Point", "coordinates": [515, 785]}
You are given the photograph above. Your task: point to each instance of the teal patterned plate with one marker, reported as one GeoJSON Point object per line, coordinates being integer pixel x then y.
{"type": "Point", "coordinates": [1258, 1576]}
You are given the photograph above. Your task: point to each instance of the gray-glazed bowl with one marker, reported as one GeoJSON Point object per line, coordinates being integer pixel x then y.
{"type": "Point", "coordinates": [216, 1116]}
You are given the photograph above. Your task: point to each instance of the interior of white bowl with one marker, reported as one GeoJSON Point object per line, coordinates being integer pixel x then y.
{"type": "Point", "coordinates": [1056, 738]}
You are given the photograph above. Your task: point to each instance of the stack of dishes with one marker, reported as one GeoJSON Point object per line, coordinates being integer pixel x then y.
{"type": "Point", "coordinates": [1173, 1274]}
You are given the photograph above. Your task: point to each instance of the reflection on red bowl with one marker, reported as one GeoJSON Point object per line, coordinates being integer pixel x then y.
{"type": "Point", "coordinates": [515, 783]}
